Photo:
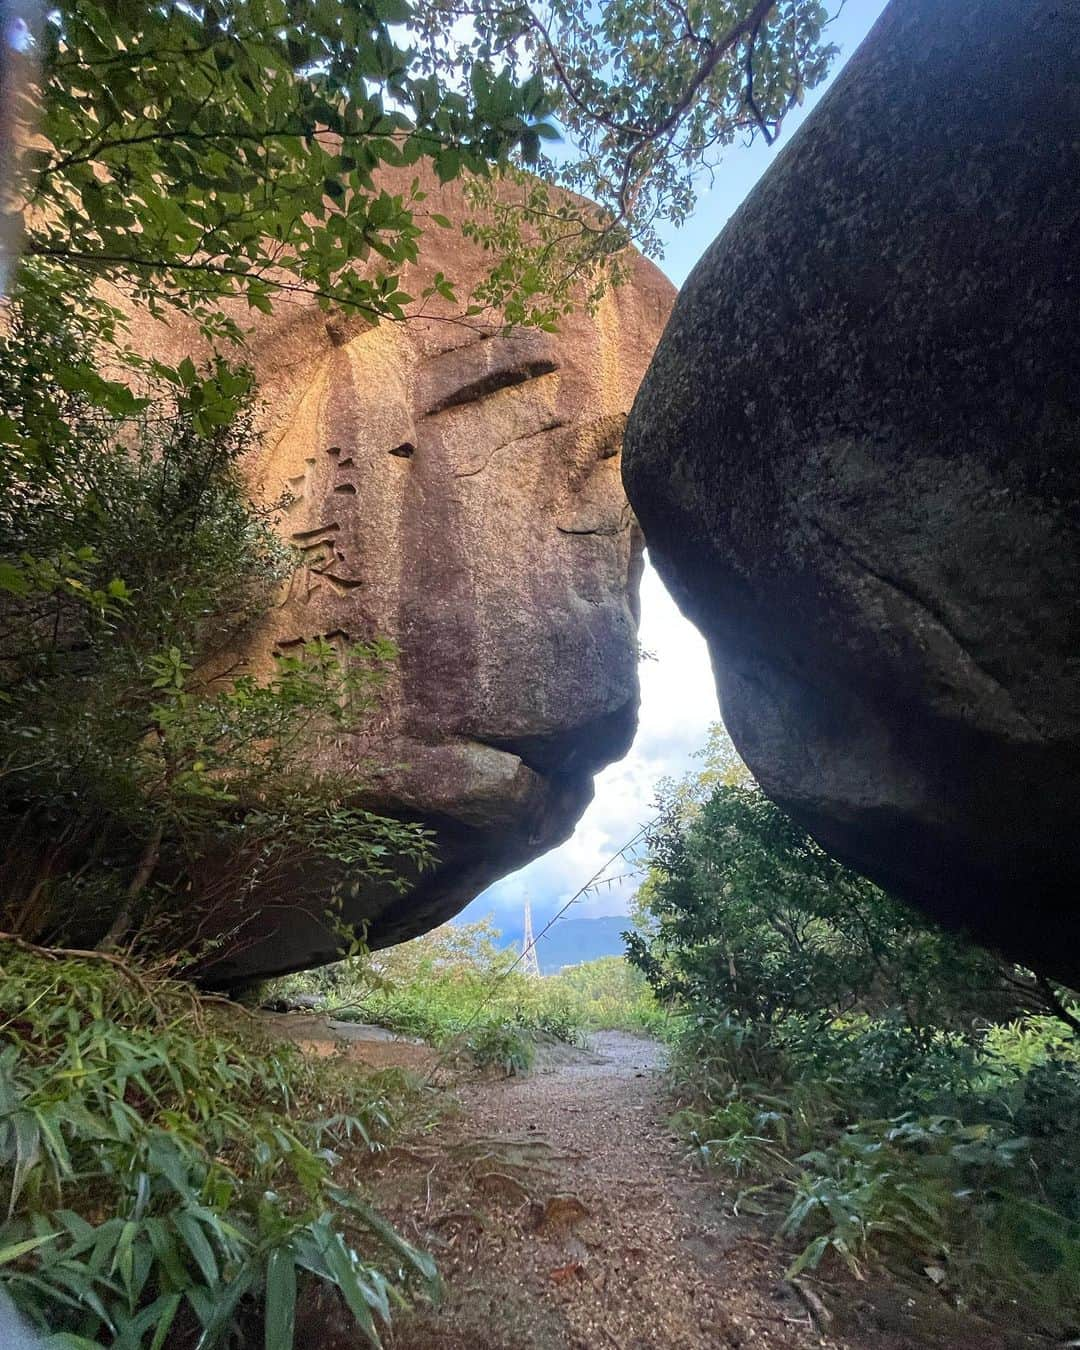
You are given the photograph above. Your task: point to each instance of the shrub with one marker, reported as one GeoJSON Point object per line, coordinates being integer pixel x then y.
{"type": "Point", "coordinates": [452, 984]}
{"type": "Point", "coordinates": [985, 1199]}
{"type": "Point", "coordinates": [169, 1176]}
{"type": "Point", "coordinates": [496, 1044]}
{"type": "Point", "coordinates": [132, 562]}
{"type": "Point", "coordinates": [899, 1095]}
{"type": "Point", "coordinates": [610, 993]}
{"type": "Point", "coordinates": [457, 981]}
{"type": "Point", "coordinates": [748, 914]}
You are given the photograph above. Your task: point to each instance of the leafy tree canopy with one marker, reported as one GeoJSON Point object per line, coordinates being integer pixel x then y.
{"type": "Point", "coordinates": [649, 93]}
{"type": "Point", "coordinates": [192, 152]}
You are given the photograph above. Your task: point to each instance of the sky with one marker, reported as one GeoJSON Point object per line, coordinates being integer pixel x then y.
{"type": "Point", "coordinates": [678, 697]}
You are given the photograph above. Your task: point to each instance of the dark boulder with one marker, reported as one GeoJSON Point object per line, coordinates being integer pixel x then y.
{"type": "Point", "coordinates": [856, 458]}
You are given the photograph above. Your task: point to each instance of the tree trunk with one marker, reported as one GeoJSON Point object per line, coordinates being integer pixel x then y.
{"type": "Point", "coordinates": [148, 861]}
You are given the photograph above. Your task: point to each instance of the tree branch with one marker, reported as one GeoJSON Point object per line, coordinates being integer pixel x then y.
{"type": "Point", "coordinates": [1059, 1010]}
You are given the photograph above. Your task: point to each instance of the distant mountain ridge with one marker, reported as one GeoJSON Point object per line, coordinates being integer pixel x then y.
{"type": "Point", "coordinates": [572, 940]}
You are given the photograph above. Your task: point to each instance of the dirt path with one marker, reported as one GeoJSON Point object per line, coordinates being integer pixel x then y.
{"type": "Point", "coordinates": [564, 1216]}
{"type": "Point", "coordinates": [561, 1217]}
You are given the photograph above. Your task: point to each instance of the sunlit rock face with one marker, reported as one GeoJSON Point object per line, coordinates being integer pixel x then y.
{"type": "Point", "coordinates": [457, 490]}
{"type": "Point", "coordinates": [855, 461]}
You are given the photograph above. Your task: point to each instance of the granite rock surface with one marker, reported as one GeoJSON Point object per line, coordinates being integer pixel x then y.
{"type": "Point", "coordinates": [456, 489]}
{"type": "Point", "coordinates": [856, 461]}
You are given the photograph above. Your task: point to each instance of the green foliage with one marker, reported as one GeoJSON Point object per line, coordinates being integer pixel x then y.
{"type": "Point", "coordinates": [904, 1097]}
{"type": "Point", "coordinates": [193, 153]}
{"type": "Point", "coordinates": [455, 988]}
{"type": "Point", "coordinates": [972, 1177]}
{"type": "Point", "coordinates": [196, 152]}
{"type": "Point", "coordinates": [649, 94]}
{"type": "Point", "coordinates": [494, 1044]}
{"type": "Point", "coordinates": [131, 565]}
{"type": "Point", "coordinates": [955, 1194]}
{"type": "Point", "coordinates": [610, 993]}
{"type": "Point", "coordinates": [170, 1178]}
{"type": "Point", "coordinates": [752, 916]}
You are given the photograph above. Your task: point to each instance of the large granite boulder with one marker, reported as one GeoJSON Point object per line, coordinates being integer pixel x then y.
{"type": "Point", "coordinates": [457, 490]}
{"type": "Point", "coordinates": [856, 460]}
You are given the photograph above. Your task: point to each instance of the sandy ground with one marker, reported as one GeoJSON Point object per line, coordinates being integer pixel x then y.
{"type": "Point", "coordinates": [563, 1216]}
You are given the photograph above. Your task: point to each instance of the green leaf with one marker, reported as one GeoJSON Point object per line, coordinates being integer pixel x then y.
{"type": "Point", "coordinates": [220, 1309]}
{"type": "Point", "coordinates": [56, 1148]}
{"type": "Point", "coordinates": [27, 1153]}
{"type": "Point", "coordinates": [810, 1257]}
{"type": "Point", "coordinates": [280, 1299]}
{"type": "Point", "coordinates": [420, 1261]}
{"type": "Point", "coordinates": [447, 164]}
{"type": "Point", "coordinates": [192, 1233]}
{"type": "Point", "coordinates": [17, 1249]}
{"type": "Point", "coordinates": [13, 579]}
{"type": "Point", "coordinates": [343, 1271]}
{"type": "Point", "coordinates": [164, 1312]}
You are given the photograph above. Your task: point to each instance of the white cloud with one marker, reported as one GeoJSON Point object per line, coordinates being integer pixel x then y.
{"type": "Point", "coordinates": [678, 703]}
